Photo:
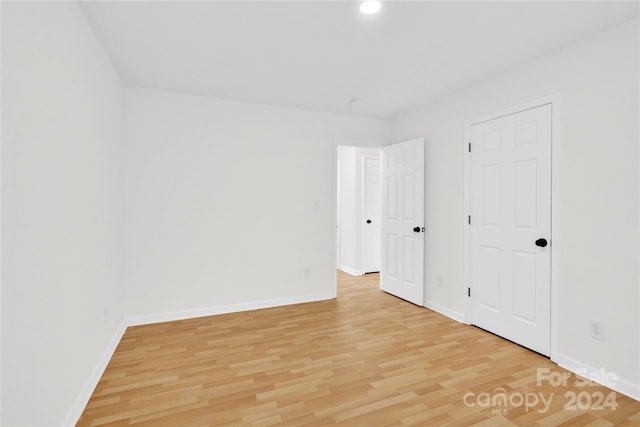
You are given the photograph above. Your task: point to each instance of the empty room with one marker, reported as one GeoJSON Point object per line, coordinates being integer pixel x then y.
{"type": "Point", "coordinates": [292, 213]}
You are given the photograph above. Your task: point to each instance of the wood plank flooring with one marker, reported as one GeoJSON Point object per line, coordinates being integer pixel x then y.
{"type": "Point", "coordinates": [365, 359]}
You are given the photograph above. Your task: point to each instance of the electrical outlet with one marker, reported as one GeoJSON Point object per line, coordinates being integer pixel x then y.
{"type": "Point", "coordinates": [440, 281]}
{"type": "Point", "coordinates": [596, 330]}
{"type": "Point", "coordinates": [307, 273]}
{"type": "Point", "coordinates": [106, 316]}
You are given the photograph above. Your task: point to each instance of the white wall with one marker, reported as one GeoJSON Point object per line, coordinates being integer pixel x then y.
{"type": "Point", "coordinates": [596, 81]}
{"type": "Point", "coordinates": [62, 106]}
{"type": "Point", "coordinates": [228, 203]}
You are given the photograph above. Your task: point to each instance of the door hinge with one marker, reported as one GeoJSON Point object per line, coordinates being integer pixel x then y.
{"type": "Point", "coordinates": [469, 219]}
{"type": "Point", "coordinates": [469, 147]}
{"type": "Point", "coordinates": [469, 292]}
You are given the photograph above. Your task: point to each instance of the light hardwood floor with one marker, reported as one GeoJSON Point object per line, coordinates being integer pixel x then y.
{"type": "Point", "coordinates": [365, 359]}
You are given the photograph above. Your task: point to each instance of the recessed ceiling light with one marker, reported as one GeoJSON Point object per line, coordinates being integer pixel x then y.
{"type": "Point", "coordinates": [370, 7]}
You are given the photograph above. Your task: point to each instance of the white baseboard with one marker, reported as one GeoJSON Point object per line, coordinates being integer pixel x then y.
{"type": "Point", "coordinates": [223, 309]}
{"type": "Point", "coordinates": [620, 385]}
{"type": "Point", "coordinates": [445, 311]}
{"type": "Point", "coordinates": [89, 386]}
{"type": "Point", "coordinates": [350, 270]}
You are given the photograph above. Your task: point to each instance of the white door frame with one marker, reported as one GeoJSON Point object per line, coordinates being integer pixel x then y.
{"type": "Point", "coordinates": [334, 198]}
{"type": "Point", "coordinates": [555, 216]}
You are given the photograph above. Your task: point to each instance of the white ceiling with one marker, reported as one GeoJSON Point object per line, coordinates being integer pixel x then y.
{"type": "Point", "coordinates": [321, 54]}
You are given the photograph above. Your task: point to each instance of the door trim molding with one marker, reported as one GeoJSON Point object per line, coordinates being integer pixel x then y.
{"type": "Point", "coordinates": [554, 101]}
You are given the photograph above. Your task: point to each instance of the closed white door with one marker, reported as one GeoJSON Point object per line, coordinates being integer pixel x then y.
{"type": "Point", "coordinates": [402, 269]}
{"type": "Point", "coordinates": [510, 227]}
{"type": "Point", "coordinates": [372, 206]}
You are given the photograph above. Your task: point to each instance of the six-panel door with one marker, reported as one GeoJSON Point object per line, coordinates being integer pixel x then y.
{"type": "Point", "coordinates": [402, 269]}
{"type": "Point", "coordinates": [511, 211]}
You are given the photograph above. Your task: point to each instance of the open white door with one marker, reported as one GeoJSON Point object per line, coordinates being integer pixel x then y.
{"type": "Point", "coordinates": [510, 227]}
{"type": "Point", "coordinates": [402, 269]}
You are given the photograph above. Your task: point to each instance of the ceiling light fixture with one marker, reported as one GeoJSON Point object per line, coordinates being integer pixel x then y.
{"type": "Point", "coordinates": [370, 7]}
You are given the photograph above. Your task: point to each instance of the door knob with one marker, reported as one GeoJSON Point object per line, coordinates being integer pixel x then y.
{"type": "Point", "coordinates": [368, 221]}
{"type": "Point", "coordinates": [417, 229]}
{"type": "Point", "coordinates": [541, 242]}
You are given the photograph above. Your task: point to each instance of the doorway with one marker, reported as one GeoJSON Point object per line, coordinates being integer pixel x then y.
{"type": "Point", "coordinates": [358, 191]}
{"type": "Point", "coordinates": [398, 197]}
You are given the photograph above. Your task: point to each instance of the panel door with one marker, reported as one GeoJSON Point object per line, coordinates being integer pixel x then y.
{"type": "Point", "coordinates": [372, 206]}
{"type": "Point", "coordinates": [510, 231]}
{"type": "Point", "coordinates": [402, 269]}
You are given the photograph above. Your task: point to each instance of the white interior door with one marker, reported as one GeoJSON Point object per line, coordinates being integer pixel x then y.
{"type": "Point", "coordinates": [510, 259]}
{"type": "Point", "coordinates": [372, 206]}
{"type": "Point", "coordinates": [402, 269]}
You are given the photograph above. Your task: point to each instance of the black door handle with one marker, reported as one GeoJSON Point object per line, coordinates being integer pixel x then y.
{"type": "Point", "coordinates": [541, 242]}
{"type": "Point", "coordinates": [416, 229]}
{"type": "Point", "coordinates": [368, 221]}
